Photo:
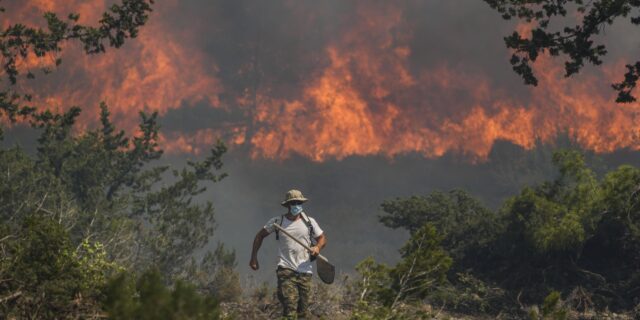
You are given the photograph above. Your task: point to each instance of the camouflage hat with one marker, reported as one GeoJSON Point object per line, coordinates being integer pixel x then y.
{"type": "Point", "coordinates": [293, 195]}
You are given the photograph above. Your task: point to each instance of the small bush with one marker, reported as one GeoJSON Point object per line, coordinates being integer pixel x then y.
{"type": "Point", "coordinates": [149, 298]}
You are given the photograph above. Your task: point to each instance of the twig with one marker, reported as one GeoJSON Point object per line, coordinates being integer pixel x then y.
{"type": "Point", "coordinates": [520, 302]}
{"type": "Point", "coordinates": [46, 211]}
{"type": "Point", "coordinates": [42, 202]}
{"type": "Point", "coordinates": [7, 237]}
{"type": "Point", "coordinates": [405, 277]}
{"type": "Point", "coordinates": [439, 311]}
{"type": "Point", "coordinates": [11, 296]}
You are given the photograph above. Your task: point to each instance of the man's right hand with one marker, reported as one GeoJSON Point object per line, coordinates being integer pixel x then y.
{"type": "Point", "coordinates": [254, 264]}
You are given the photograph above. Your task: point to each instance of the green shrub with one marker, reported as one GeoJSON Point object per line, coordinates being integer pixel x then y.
{"type": "Point", "coordinates": [149, 298]}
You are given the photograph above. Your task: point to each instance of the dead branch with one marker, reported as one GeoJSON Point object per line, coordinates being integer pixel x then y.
{"type": "Point", "coordinates": [7, 238]}
{"type": "Point", "coordinates": [10, 297]}
{"type": "Point", "coordinates": [405, 277]}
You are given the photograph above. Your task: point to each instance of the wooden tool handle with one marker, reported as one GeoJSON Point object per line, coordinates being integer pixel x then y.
{"type": "Point", "coordinates": [298, 241]}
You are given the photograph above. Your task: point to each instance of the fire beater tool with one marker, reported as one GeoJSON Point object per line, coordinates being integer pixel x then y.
{"type": "Point", "coordinates": [326, 271]}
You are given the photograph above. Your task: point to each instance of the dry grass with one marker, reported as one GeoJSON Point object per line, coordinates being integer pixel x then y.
{"type": "Point", "coordinates": [337, 302]}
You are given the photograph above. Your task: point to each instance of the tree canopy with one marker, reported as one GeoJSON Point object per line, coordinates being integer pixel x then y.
{"type": "Point", "coordinates": [577, 43]}
{"type": "Point", "coordinates": [574, 236]}
{"type": "Point", "coordinates": [120, 22]}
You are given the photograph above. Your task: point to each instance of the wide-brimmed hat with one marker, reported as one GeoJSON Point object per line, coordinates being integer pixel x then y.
{"type": "Point", "coordinates": [293, 195]}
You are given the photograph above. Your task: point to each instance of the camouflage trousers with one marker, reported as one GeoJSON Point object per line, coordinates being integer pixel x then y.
{"type": "Point", "coordinates": [293, 293]}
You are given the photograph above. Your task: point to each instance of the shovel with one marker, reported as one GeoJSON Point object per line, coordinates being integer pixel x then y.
{"type": "Point", "coordinates": [326, 271]}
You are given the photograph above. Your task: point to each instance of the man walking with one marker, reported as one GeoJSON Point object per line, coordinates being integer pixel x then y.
{"type": "Point", "coordinates": [295, 262]}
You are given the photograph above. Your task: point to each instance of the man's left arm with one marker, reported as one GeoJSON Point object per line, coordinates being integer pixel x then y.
{"type": "Point", "coordinates": [321, 241]}
{"type": "Point", "coordinates": [318, 235]}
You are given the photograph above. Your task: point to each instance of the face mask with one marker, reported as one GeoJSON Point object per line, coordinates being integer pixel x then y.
{"type": "Point", "coordinates": [296, 209]}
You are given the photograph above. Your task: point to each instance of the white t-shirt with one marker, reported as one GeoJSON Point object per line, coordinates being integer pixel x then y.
{"type": "Point", "coordinates": [292, 255]}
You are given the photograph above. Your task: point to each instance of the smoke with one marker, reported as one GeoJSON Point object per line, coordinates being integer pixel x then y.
{"type": "Point", "coordinates": [347, 78]}
{"type": "Point", "coordinates": [345, 196]}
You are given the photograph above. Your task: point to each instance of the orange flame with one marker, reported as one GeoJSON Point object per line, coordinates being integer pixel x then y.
{"type": "Point", "coordinates": [366, 102]}
{"type": "Point", "coordinates": [154, 72]}
{"type": "Point", "coordinates": [368, 99]}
